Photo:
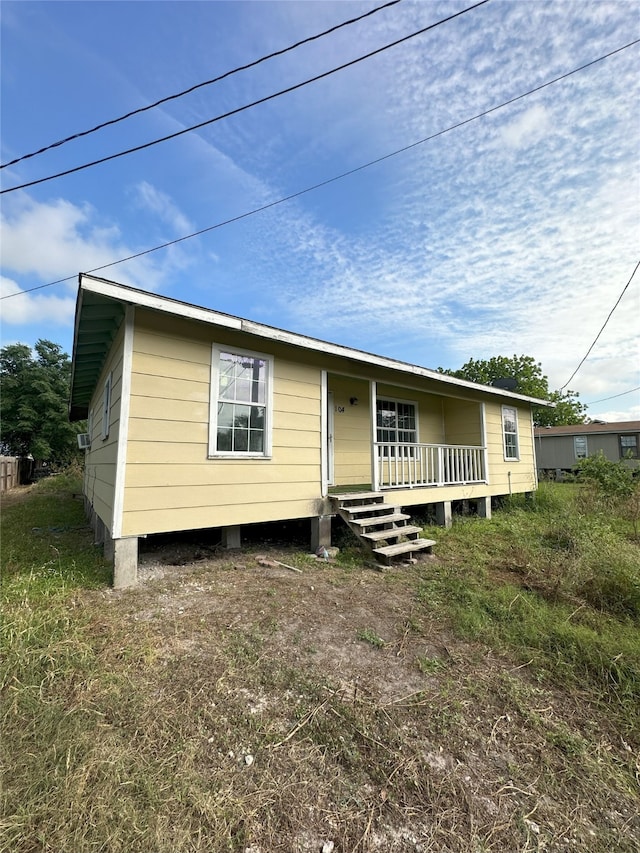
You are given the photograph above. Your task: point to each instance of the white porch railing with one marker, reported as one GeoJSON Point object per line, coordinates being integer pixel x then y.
{"type": "Point", "coordinates": [412, 465]}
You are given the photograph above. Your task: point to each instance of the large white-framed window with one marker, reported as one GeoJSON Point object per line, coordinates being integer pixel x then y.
{"type": "Point", "coordinates": [241, 403]}
{"type": "Point", "coordinates": [106, 407]}
{"type": "Point", "coordinates": [396, 424]}
{"type": "Point", "coordinates": [510, 433]}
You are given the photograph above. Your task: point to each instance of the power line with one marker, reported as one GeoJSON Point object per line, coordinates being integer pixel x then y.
{"type": "Point", "coordinates": [245, 107]}
{"type": "Point", "coordinates": [624, 289]}
{"type": "Point", "coordinates": [614, 396]}
{"type": "Point", "coordinates": [199, 85]}
{"type": "Point", "coordinates": [330, 180]}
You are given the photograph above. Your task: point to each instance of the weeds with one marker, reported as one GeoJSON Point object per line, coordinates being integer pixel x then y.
{"type": "Point", "coordinates": [367, 635]}
{"type": "Point", "coordinates": [502, 713]}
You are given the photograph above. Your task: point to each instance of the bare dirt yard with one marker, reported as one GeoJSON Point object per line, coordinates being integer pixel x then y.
{"type": "Point", "coordinates": [331, 708]}
{"type": "Point", "coordinates": [264, 701]}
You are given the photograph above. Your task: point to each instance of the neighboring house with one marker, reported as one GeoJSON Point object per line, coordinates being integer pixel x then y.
{"type": "Point", "coordinates": [559, 449]}
{"type": "Point", "coordinates": [198, 419]}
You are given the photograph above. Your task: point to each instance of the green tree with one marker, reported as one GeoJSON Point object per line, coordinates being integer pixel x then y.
{"type": "Point", "coordinates": [34, 404]}
{"type": "Point", "coordinates": [531, 382]}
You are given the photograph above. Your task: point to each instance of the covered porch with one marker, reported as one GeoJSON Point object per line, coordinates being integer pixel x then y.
{"type": "Point", "coordinates": [385, 437]}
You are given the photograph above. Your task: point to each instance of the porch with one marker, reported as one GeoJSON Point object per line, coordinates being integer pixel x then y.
{"type": "Point", "coordinates": [409, 466]}
{"type": "Point", "coordinates": [384, 437]}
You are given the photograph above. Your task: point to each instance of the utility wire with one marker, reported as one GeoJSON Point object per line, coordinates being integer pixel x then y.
{"type": "Point", "coordinates": [328, 180]}
{"type": "Point", "coordinates": [624, 289]}
{"type": "Point", "coordinates": [613, 396]}
{"type": "Point", "coordinates": [199, 85]}
{"type": "Point", "coordinates": [246, 106]}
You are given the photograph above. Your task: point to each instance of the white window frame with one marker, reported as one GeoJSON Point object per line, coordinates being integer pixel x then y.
{"type": "Point", "coordinates": [623, 452]}
{"type": "Point", "coordinates": [106, 406]}
{"type": "Point", "coordinates": [582, 441]}
{"type": "Point", "coordinates": [213, 452]}
{"type": "Point", "coordinates": [387, 399]}
{"type": "Point", "coordinates": [507, 456]}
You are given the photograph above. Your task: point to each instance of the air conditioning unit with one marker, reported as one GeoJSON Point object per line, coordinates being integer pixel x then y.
{"type": "Point", "coordinates": [84, 441]}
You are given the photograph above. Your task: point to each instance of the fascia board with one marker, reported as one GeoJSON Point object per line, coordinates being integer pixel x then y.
{"type": "Point", "coordinates": [206, 315]}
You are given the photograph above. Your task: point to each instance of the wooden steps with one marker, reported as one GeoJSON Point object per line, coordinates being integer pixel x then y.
{"type": "Point", "coordinates": [375, 535]}
{"type": "Point", "coordinates": [381, 526]}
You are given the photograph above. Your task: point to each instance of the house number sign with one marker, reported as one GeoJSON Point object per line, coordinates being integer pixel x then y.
{"type": "Point", "coordinates": [340, 410]}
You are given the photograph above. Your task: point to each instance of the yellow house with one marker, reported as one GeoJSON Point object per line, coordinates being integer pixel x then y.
{"type": "Point", "coordinates": [198, 419]}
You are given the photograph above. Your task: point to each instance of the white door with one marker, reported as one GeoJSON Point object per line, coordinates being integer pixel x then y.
{"type": "Point", "coordinates": [330, 438]}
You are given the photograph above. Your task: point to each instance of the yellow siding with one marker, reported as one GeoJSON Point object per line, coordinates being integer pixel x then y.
{"type": "Point", "coordinates": [171, 484]}
{"type": "Point", "coordinates": [430, 412]}
{"type": "Point", "coordinates": [351, 431]}
{"type": "Point", "coordinates": [522, 470]}
{"type": "Point", "coordinates": [226, 515]}
{"type": "Point", "coordinates": [101, 459]}
{"type": "Point", "coordinates": [463, 423]}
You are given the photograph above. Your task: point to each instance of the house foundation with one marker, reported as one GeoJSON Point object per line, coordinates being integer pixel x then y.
{"type": "Point", "coordinates": [483, 507]}
{"type": "Point", "coordinates": [232, 537]}
{"type": "Point", "coordinates": [124, 553]}
{"type": "Point", "coordinates": [443, 514]}
{"type": "Point", "coordinates": [320, 532]}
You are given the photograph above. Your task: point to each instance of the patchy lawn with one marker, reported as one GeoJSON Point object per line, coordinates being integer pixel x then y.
{"type": "Point", "coordinates": [228, 705]}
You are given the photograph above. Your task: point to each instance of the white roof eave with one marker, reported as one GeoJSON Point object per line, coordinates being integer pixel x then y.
{"type": "Point", "coordinates": [205, 315]}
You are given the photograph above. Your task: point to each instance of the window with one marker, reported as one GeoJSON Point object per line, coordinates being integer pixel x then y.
{"type": "Point", "coordinates": [396, 423]}
{"type": "Point", "coordinates": [240, 404]}
{"type": "Point", "coordinates": [628, 446]}
{"type": "Point", "coordinates": [510, 432]}
{"type": "Point", "coordinates": [106, 407]}
{"type": "Point", "coordinates": [580, 446]}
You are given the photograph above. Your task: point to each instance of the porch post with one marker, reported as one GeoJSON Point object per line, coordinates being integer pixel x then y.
{"type": "Point", "coordinates": [324, 436]}
{"type": "Point", "coordinates": [485, 449]}
{"type": "Point", "coordinates": [375, 475]}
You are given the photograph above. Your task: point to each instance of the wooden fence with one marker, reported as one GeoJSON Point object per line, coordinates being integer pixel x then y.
{"type": "Point", "coordinates": [9, 473]}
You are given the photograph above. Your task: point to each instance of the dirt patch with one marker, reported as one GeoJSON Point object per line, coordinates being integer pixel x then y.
{"type": "Point", "coordinates": [341, 690]}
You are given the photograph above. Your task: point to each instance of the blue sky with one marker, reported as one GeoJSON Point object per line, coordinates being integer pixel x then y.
{"type": "Point", "coordinates": [515, 233]}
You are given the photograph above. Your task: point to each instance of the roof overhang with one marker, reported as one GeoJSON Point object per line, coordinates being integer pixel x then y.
{"type": "Point", "coordinates": [102, 304]}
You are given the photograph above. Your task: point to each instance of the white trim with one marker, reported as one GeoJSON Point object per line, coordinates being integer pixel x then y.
{"type": "Point", "coordinates": [157, 303]}
{"type": "Point", "coordinates": [515, 458]}
{"type": "Point", "coordinates": [123, 431]}
{"type": "Point", "coordinates": [535, 460]}
{"type": "Point", "coordinates": [213, 453]}
{"type": "Point", "coordinates": [106, 406]}
{"type": "Point", "coordinates": [182, 309]}
{"type": "Point", "coordinates": [416, 412]}
{"type": "Point", "coordinates": [586, 446]}
{"type": "Point", "coordinates": [483, 433]}
{"type": "Point", "coordinates": [324, 434]}
{"type": "Point", "coordinates": [373, 407]}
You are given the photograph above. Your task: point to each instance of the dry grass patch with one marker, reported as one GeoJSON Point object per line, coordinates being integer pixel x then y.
{"type": "Point", "coordinates": [228, 706]}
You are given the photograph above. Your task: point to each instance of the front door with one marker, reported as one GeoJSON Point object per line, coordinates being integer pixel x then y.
{"type": "Point", "coordinates": [330, 438]}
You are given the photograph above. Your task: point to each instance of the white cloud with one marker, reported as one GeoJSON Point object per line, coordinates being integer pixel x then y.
{"type": "Point", "coordinates": [53, 239]}
{"type": "Point", "coordinates": [22, 308]}
{"type": "Point", "coordinates": [618, 414]}
{"type": "Point", "coordinates": [58, 239]}
{"type": "Point", "coordinates": [527, 129]}
{"type": "Point", "coordinates": [161, 205]}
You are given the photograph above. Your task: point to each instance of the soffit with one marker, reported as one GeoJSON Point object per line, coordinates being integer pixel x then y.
{"type": "Point", "coordinates": [98, 319]}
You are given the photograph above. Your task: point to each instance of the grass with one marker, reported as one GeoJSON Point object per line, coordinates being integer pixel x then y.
{"type": "Point", "coordinates": [500, 712]}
